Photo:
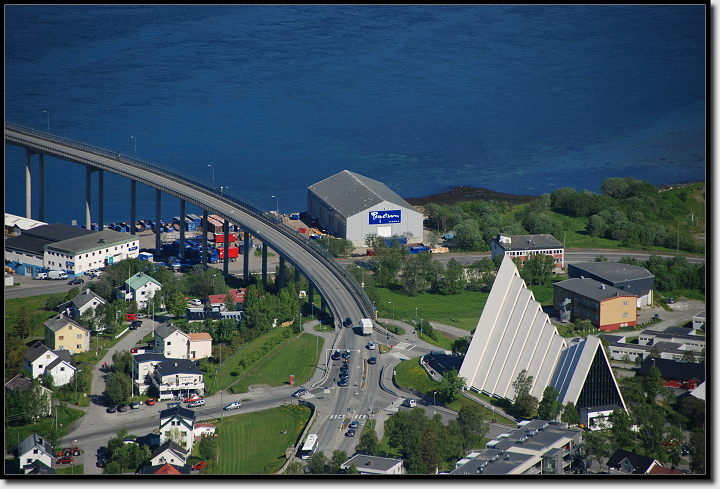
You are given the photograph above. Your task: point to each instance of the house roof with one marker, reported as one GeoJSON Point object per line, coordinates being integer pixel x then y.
{"type": "Point", "coordinates": [671, 369]}
{"type": "Point", "coordinates": [33, 441]}
{"type": "Point", "coordinates": [165, 330]}
{"type": "Point", "coordinates": [173, 366]}
{"type": "Point", "coordinates": [640, 463]}
{"type": "Point", "coordinates": [21, 222]}
{"type": "Point", "coordinates": [37, 467]}
{"type": "Point", "coordinates": [239, 296]}
{"type": "Point", "coordinates": [200, 336]}
{"type": "Point", "coordinates": [18, 382]}
{"type": "Point", "coordinates": [592, 289]}
{"type": "Point", "coordinates": [85, 297]}
{"type": "Point", "coordinates": [166, 469]}
{"type": "Point", "coordinates": [56, 323]}
{"type": "Point", "coordinates": [91, 242]}
{"type": "Point", "coordinates": [172, 446]}
{"type": "Point", "coordinates": [37, 350]}
{"type": "Point", "coordinates": [57, 362]}
{"type": "Point", "coordinates": [140, 279]}
{"type": "Point", "coordinates": [610, 271]}
{"type": "Point", "coordinates": [349, 193]}
{"type": "Point", "coordinates": [368, 462]}
{"type": "Point", "coordinates": [149, 357]}
{"type": "Point", "coordinates": [530, 242]}
{"type": "Point", "coordinates": [658, 469]}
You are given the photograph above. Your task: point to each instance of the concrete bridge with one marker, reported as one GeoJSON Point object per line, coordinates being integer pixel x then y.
{"type": "Point", "coordinates": [338, 289]}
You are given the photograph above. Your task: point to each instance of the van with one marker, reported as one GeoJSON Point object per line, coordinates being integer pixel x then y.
{"type": "Point", "coordinates": [41, 276]}
{"type": "Point", "coordinates": [411, 403]}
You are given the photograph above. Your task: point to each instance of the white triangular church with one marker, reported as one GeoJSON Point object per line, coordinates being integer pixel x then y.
{"type": "Point", "coordinates": [514, 334]}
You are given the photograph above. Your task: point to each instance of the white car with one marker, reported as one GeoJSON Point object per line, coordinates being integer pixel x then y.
{"type": "Point", "coordinates": [371, 346]}
{"type": "Point", "coordinates": [232, 405]}
{"type": "Point", "coordinates": [196, 302]}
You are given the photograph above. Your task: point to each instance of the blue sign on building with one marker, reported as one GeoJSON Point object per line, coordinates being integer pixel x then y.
{"type": "Point", "coordinates": [384, 217]}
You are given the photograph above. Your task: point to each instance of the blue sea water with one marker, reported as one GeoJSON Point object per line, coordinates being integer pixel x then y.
{"type": "Point", "coordinates": [517, 99]}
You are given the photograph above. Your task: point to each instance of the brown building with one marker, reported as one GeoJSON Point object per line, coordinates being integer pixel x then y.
{"type": "Point", "coordinates": [606, 307]}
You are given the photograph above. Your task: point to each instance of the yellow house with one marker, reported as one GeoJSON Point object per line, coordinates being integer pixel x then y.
{"type": "Point", "coordinates": [62, 333]}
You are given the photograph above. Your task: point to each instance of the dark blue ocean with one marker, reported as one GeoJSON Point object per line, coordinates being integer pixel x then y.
{"type": "Point", "coordinates": [516, 99]}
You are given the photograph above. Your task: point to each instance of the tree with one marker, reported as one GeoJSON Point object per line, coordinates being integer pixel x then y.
{"type": "Point", "coordinates": [537, 269]}
{"type": "Point", "coordinates": [452, 280]}
{"type": "Point", "coordinates": [318, 463]}
{"type": "Point", "coordinates": [176, 305]}
{"type": "Point", "coordinates": [596, 446]}
{"type": "Point", "coordinates": [338, 458]}
{"type": "Point", "coordinates": [369, 443]}
{"type": "Point", "coordinates": [523, 383]}
{"type": "Point", "coordinates": [229, 302]}
{"type": "Point", "coordinates": [694, 410]}
{"type": "Point", "coordinates": [689, 356]}
{"type": "Point", "coordinates": [118, 388]}
{"type": "Point", "coordinates": [600, 258]}
{"type": "Point", "coordinates": [23, 323]}
{"type": "Point", "coordinates": [460, 346]}
{"type": "Point", "coordinates": [208, 448]}
{"type": "Point", "coordinates": [468, 236]}
{"type": "Point", "coordinates": [549, 407]}
{"type": "Point", "coordinates": [471, 421]}
{"type": "Point", "coordinates": [353, 470]}
{"type": "Point", "coordinates": [570, 414]}
{"type": "Point", "coordinates": [450, 385]}
{"type": "Point", "coordinates": [696, 447]}
{"type": "Point", "coordinates": [296, 468]}
{"type": "Point", "coordinates": [652, 383]}
{"type": "Point", "coordinates": [620, 434]}
{"type": "Point", "coordinates": [419, 274]}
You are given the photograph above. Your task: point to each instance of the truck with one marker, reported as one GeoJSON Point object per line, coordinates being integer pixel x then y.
{"type": "Point", "coordinates": [56, 275]}
{"type": "Point", "coordinates": [367, 326]}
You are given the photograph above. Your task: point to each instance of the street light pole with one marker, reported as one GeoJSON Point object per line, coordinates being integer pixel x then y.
{"type": "Point", "coordinates": [134, 139]}
{"type": "Point", "coordinates": [213, 174]}
{"type": "Point", "coordinates": [221, 189]}
{"type": "Point", "coordinates": [434, 392]}
{"type": "Point", "coordinates": [393, 316]}
{"type": "Point", "coordinates": [77, 399]}
{"type": "Point", "coordinates": [48, 117]}
{"type": "Point", "coordinates": [277, 205]}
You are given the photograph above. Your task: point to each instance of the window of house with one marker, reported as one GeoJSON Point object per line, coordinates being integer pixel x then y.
{"type": "Point", "coordinates": [79, 336]}
{"type": "Point", "coordinates": [70, 327]}
{"type": "Point", "coordinates": [625, 314]}
{"type": "Point", "coordinates": [62, 369]}
{"type": "Point", "coordinates": [625, 303]}
{"type": "Point", "coordinates": [61, 337]}
{"type": "Point", "coordinates": [40, 366]}
{"type": "Point", "coordinates": [168, 343]}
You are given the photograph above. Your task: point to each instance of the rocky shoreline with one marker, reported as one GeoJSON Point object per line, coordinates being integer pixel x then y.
{"type": "Point", "coordinates": [463, 193]}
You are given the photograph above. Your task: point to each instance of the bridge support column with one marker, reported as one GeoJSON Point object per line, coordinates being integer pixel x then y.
{"type": "Point", "coordinates": [203, 258]}
{"type": "Point", "coordinates": [28, 184]}
{"type": "Point", "coordinates": [226, 260]}
{"type": "Point", "coordinates": [246, 257]}
{"type": "Point", "coordinates": [88, 196]}
{"type": "Point", "coordinates": [181, 251]}
{"type": "Point", "coordinates": [264, 265]}
{"type": "Point", "coordinates": [311, 297]}
{"type": "Point", "coordinates": [101, 199]}
{"type": "Point", "coordinates": [297, 275]}
{"type": "Point", "coordinates": [158, 208]}
{"type": "Point", "coordinates": [281, 274]}
{"type": "Point", "coordinates": [133, 205]}
{"type": "Point", "coordinates": [41, 176]}
{"type": "Point", "coordinates": [323, 304]}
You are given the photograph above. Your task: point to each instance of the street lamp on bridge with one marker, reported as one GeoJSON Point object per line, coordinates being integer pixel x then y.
{"type": "Point", "coordinates": [48, 118]}
{"type": "Point", "coordinates": [213, 174]}
{"type": "Point", "coordinates": [221, 189]}
{"type": "Point", "coordinates": [134, 139]}
{"type": "Point", "coordinates": [277, 205]}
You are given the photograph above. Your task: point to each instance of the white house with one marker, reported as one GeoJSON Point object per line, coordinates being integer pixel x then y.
{"type": "Point", "coordinates": [33, 448]}
{"type": "Point", "coordinates": [200, 345]}
{"type": "Point", "coordinates": [169, 453]}
{"type": "Point", "coordinates": [171, 342]}
{"type": "Point", "coordinates": [85, 300]}
{"type": "Point", "coordinates": [41, 360]}
{"type": "Point", "coordinates": [367, 464]}
{"type": "Point", "coordinates": [140, 288]}
{"type": "Point", "coordinates": [177, 378]}
{"type": "Point", "coordinates": [178, 422]}
{"type": "Point", "coordinates": [144, 368]}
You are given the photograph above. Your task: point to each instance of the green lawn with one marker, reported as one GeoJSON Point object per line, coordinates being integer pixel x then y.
{"type": "Point", "coordinates": [254, 443]}
{"type": "Point", "coordinates": [66, 416]}
{"type": "Point", "coordinates": [36, 309]}
{"type": "Point", "coordinates": [297, 356]}
{"type": "Point", "coordinates": [410, 374]}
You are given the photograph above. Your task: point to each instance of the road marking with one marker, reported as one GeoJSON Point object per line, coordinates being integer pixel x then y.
{"type": "Point", "coordinates": [401, 346]}
{"type": "Point", "coordinates": [400, 356]}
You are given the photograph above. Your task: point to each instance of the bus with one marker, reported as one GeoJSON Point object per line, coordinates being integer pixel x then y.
{"type": "Point", "coordinates": [309, 447]}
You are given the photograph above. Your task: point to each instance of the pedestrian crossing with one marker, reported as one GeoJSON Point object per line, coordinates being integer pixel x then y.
{"type": "Point", "coordinates": [403, 345]}
{"type": "Point", "coordinates": [353, 416]}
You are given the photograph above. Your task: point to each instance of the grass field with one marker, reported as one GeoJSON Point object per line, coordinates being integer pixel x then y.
{"type": "Point", "coordinates": [410, 374]}
{"type": "Point", "coordinates": [255, 443]}
{"type": "Point", "coordinates": [36, 309]}
{"type": "Point", "coordinates": [66, 417]}
{"type": "Point", "coordinates": [297, 356]}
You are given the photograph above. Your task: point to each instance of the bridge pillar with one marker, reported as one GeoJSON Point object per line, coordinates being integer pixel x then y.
{"type": "Point", "coordinates": [281, 274]}
{"type": "Point", "coordinates": [181, 251]}
{"type": "Point", "coordinates": [158, 208]}
{"type": "Point", "coordinates": [226, 260]}
{"type": "Point", "coordinates": [311, 297]}
{"type": "Point", "coordinates": [264, 265]}
{"type": "Point", "coordinates": [101, 199]}
{"type": "Point", "coordinates": [41, 176]}
{"type": "Point", "coordinates": [133, 205]}
{"type": "Point", "coordinates": [88, 196]}
{"type": "Point", "coordinates": [28, 184]}
{"type": "Point", "coordinates": [297, 274]}
{"type": "Point", "coordinates": [323, 304]}
{"type": "Point", "coordinates": [246, 257]}
{"type": "Point", "coordinates": [203, 258]}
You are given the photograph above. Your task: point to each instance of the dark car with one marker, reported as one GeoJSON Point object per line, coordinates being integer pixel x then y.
{"type": "Point", "coordinates": [346, 354]}
{"type": "Point", "coordinates": [344, 368]}
{"type": "Point", "coordinates": [101, 463]}
{"type": "Point", "coordinates": [300, 392]}
{"type": "Point", "coordinates": [111, 409]}
{"type": "Point", "coordinates": [348, 322]}
{"type": "Point", "coordinates": [671, 300]}
{"type": "Point", "coordinates": [336, 355]}
{"type": "Point", "coordinates": [344, 376]}
{"type": "Point", "coordinates": [353, 425]}
{"type": "Point", "coordinates": [102, 452]}
{"type": "Point", "coordinates": [656, 317]}
{"type": "Point", "coordinates": [122, 408]}
{"type": "Point", "coordinates": [372, 361]}
{"type": "Point", "coordinates": [343, 383]}
{"type": "Point", "coordinates": [350, 433]}
{"type": "Point", "coordinates": [76, 281]}
{"type": "Point", "coordinates": [135, 324]}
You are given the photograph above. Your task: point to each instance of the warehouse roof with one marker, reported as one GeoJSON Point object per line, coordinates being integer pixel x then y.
{"type": "Point", "coordinates": [92, 241]}
{"type": "Point", "coordinates": [528, 242]}
{"type": "Point", "coordinates": [57, 232]}
{"type": "Point", "coordinates": [349, 193]}
{"type": "Point", "coordinates": [611, 271]}
{"type": "Point", "coordinates": [592, 289]}
{"type": "Point", "coordinates": [21, 222]}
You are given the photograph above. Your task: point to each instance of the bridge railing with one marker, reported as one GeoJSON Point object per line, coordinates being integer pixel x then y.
{"type": "Point", "coordinates": [256, 211]}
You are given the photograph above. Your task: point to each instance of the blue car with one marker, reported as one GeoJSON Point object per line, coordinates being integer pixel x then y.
{"type": "Point", "coordinates": [343, 383]}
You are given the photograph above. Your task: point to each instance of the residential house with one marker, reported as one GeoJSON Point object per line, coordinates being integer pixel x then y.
{"type": "Point", "coordinates": [367, 464]}
{"type": "Point", "coordinates": [31, 449]}
{"type": "Point", "coordinates": [177, 378]}
{"type": "Point", "coordinates": [169, 453]}
{"type": "Point", "coordinates": [525, 245]}
{"type": "Point", "coordinates": [144, 368]}
{"type": "Point", "coordinates": [85, 300]}
{"type": "Point", "coordinates": [172, 342]}
{"type": "Point", "coordinates": [140, 288]}
{"type": "Point", "coordinates": [676, 374]}
{"type": "Point", "coordinates": [200, 345]}
{"type": "Point", "coordinates": [538, 447]}
{"type": "Point", "coordinates": [166, 469]}
{"type": "Point", "coordinates": [219, 299]}
{"type": "Point", "coordinates": [41, 360]}
{"type": "Point", "coordinates": [62, 333]}
{"type": "Point", "coordinates": [630, 278]}
{"type": "Point", "coordinates": [24, 384]}
{"type": "Point", "coordinates": [622, 462]}
{"type": "Point", "coordinates": [178, 422]}
{"type": "Point", "coordinates": [204, 429]}
{"type": "Point", "coordinates": [38, 467]}
{"type": "Point", "coordinates": [607, 308]}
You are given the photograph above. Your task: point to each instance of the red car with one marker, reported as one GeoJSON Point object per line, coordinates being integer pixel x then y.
{"type": "Point", "coordinates": [199, 466]}
{"type": "Point", "coordinates": [65, 460]}
{"type": "Point", "coordinates": [150, 402]}
{"type": "Point", "coordinates": [192, 398]}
